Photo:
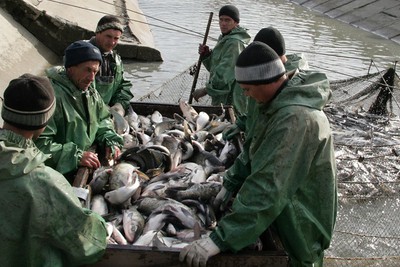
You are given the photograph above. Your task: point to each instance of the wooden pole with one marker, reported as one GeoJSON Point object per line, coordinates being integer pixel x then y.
{"type": "Point", "coordinates": [196, 75]}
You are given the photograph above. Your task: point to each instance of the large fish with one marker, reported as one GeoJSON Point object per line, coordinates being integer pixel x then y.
{"type": "Point", "coordinates": [156, 189]}
{"type": "Point", "coordinates": [120, 124]}
{"type": "Point", "coordinates": [155, 221]}
{"type": "Point", "coordinates": [99, 205]}
{"type": "Point", "coordinates": [118, 236]}
{"type": "Point", "coordinates": [147, 205]}
{"type": "Point", "coordinates": [133, 224]}
{"type": "Point", "coordinates": [149, 157]}
{"type": "Point", "coordinates": [228, 154]}
{"type": "Point", "coordinates": [202, 120]}
{"type": "Point", "coordinates": [189, 113]}
{"type": "Point", "coordinates": [180, 213]}
{"type": "Point", "coordinates": [123, 174]}
{"type": "Point", "coordinates": [123, 193]}
{"type": "Point", "coordinates": [156, 117]}
{"type": "Point", "coordinates": [201, 191]}
{"type": "Point", "coordinates": [149, 239]}
{"type": "Point", "coordinates": [100, 179]}
{"type": "Point", "coordinates": [132, 118]}
{"type": "Point", "coordinates": [164, 126]}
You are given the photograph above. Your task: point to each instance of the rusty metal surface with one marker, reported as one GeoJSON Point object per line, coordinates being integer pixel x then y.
{"type": "Point", "coordinates": [135, 256]}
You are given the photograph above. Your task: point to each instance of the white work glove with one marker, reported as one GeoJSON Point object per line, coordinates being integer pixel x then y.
{"type": "Point", "coordinates": [118, 108]}
{"type": "Point", "coordinates": [198, 252]}
{"type": "Point", "coordinates": [222, 199]}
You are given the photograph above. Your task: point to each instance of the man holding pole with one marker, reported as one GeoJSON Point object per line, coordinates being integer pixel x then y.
{"type": "Point", "coordinates": [220, 62]}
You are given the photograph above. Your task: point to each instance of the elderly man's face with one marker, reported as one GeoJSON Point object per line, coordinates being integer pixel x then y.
{"type": "Point", "coordinates": [107, 40]}
{"type": "Point", "coordinates": [83, 75]}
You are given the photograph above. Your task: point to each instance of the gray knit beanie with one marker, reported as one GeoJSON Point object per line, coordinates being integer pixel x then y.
{"type": "Point", "coordinates": [29, 102]}
{"type": "Point", "coordinates": [230, 11]}
{"type": "Point", "coordinates": [272, 37]}
{"type": "Point", "coordinates": [81, 51]}
{"type": "Point", "coordinates": [258, 64]}
{"type": "Point", "coordinates": [109, 22]}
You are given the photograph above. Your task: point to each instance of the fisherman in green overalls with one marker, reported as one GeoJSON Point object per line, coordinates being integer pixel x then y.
{"type": "Point", "coordinates": [287, 178]}
{"type": "Point", "coordinates": [110, 82]}
{"type": "Point", "coordinates": [220, 62]}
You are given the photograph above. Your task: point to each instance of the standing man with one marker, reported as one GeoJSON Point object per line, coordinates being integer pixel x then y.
{"type": "Point", "coordinates": [220, 62]}
{"type": "Point", "coordinates": [292, 63]}
{"type": "Point", "coordinates": [42, 221]}
{"type": "Point", "coordinates": [288, 179]}
{"type": "Point", "coordinates": [274, 39]}
{"type": "Point", "coordinates": [110, 82]}
{"type": "Point", "coordinates": [81, 119]}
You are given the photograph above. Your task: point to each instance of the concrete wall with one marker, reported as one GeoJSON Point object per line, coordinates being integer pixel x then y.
{"type": "Point", "coordinates": [21, 52]}
{"type": "Point", "coordinates": [27, 25]}
{"type": "Point", "coordinates": [381, 17]}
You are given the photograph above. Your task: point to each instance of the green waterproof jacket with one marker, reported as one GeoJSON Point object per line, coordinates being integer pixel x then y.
{"type": "Point", "coordinates": [81, 120]}
{"type": "Point", "coordinates": [286, 176]}
{"type": "Point", "coordinates": [222, 86]}
{"type": "Point", "coordinates": [42, 222]}
{"type": "Point", "coordinates": [114, 89]}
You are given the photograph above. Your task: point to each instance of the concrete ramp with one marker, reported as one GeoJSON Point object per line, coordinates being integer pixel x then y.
{"type": "Point", "coordinates": [58, 23]}
{"type": "Point", "coordinates": [21, 52]}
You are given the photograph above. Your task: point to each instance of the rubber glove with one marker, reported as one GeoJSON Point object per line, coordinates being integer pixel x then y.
{"type": "Point", "coordinates": [199, 93]}
{"type": "Point", "coordinates": [118, 108]}
{"type": "Point", "coordinates": [222, 199]}
{"type": "Point", "coordinates": [198, 252]}
{"type": "Point", "coordinates": [204, 51]}
{"type": "Point", "coordinates": [230, 131]}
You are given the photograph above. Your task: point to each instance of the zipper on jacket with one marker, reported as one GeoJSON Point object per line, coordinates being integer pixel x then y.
{"type": "Point", "coordinates": [85, 95]}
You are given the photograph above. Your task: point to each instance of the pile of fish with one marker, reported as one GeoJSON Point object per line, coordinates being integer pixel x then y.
{"type": "Point", "coordinates": [367, 152]}
{"type": "Point", "coordinates": [160, 191]}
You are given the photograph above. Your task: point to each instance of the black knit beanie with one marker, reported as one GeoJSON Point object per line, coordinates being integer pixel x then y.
{"type": "Point", "coordinates": [29, 102]}
{"type": "Point", "coordinates": [230, 11]}
{"type": "Point", "coordinates": [273, 38]}
{"type": "Point", "coordinates": [81, 51]}
{"type": "Point", "coordinates": [109, 22]}
{"type": "Point", "coordinates": [258, 64]}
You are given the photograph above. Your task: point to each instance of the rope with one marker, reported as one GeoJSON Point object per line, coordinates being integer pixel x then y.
{"type": "Point", "coordinates": [364, 235]}
{"type": "Point", "coordinates": [198, 34]}
{"type": "Point", "coordinates": [190, 32]}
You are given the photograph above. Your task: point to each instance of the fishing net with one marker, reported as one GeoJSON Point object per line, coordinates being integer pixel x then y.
{"type": "Point", "coordinates": [364, 116]}
{"type": "Point", "coordinates": [179, 87]}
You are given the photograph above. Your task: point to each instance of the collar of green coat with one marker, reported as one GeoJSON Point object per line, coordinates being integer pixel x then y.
{"type": "Point", "coordinates": [58, 75]}
{"type": "Point", "coordinates": [306, 88]}
{"type": "Point", "coordinates": [239, 33]}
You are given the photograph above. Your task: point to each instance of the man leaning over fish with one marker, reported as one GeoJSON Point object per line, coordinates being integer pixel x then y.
{"type": "Point", "coordinates": [42, 221]}
{"type": "Point", "coordinates": [81, 119]}
{"type": "Point", "coordinates": [289, 178]}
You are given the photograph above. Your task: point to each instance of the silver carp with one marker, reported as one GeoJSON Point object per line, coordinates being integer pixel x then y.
{"type": "Point", "coordinates": [99, 205]}
{"type": "Point", "coordinates": [189, 113]}
{"type": "Point", "coordinates": [202, 120]}
{"type": "Point", "coordinates": [199, 191]}
{"type": "Point", "coordinates": [122, 194]}
{"type": "Point", "coordinates": [120, 124]}
{"type": "Point", "coordinates": [123, 174]}
{"type": "Point", "coordinates": [100, 179]}
{"type": "Point", "coordinates": [133, 223]}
